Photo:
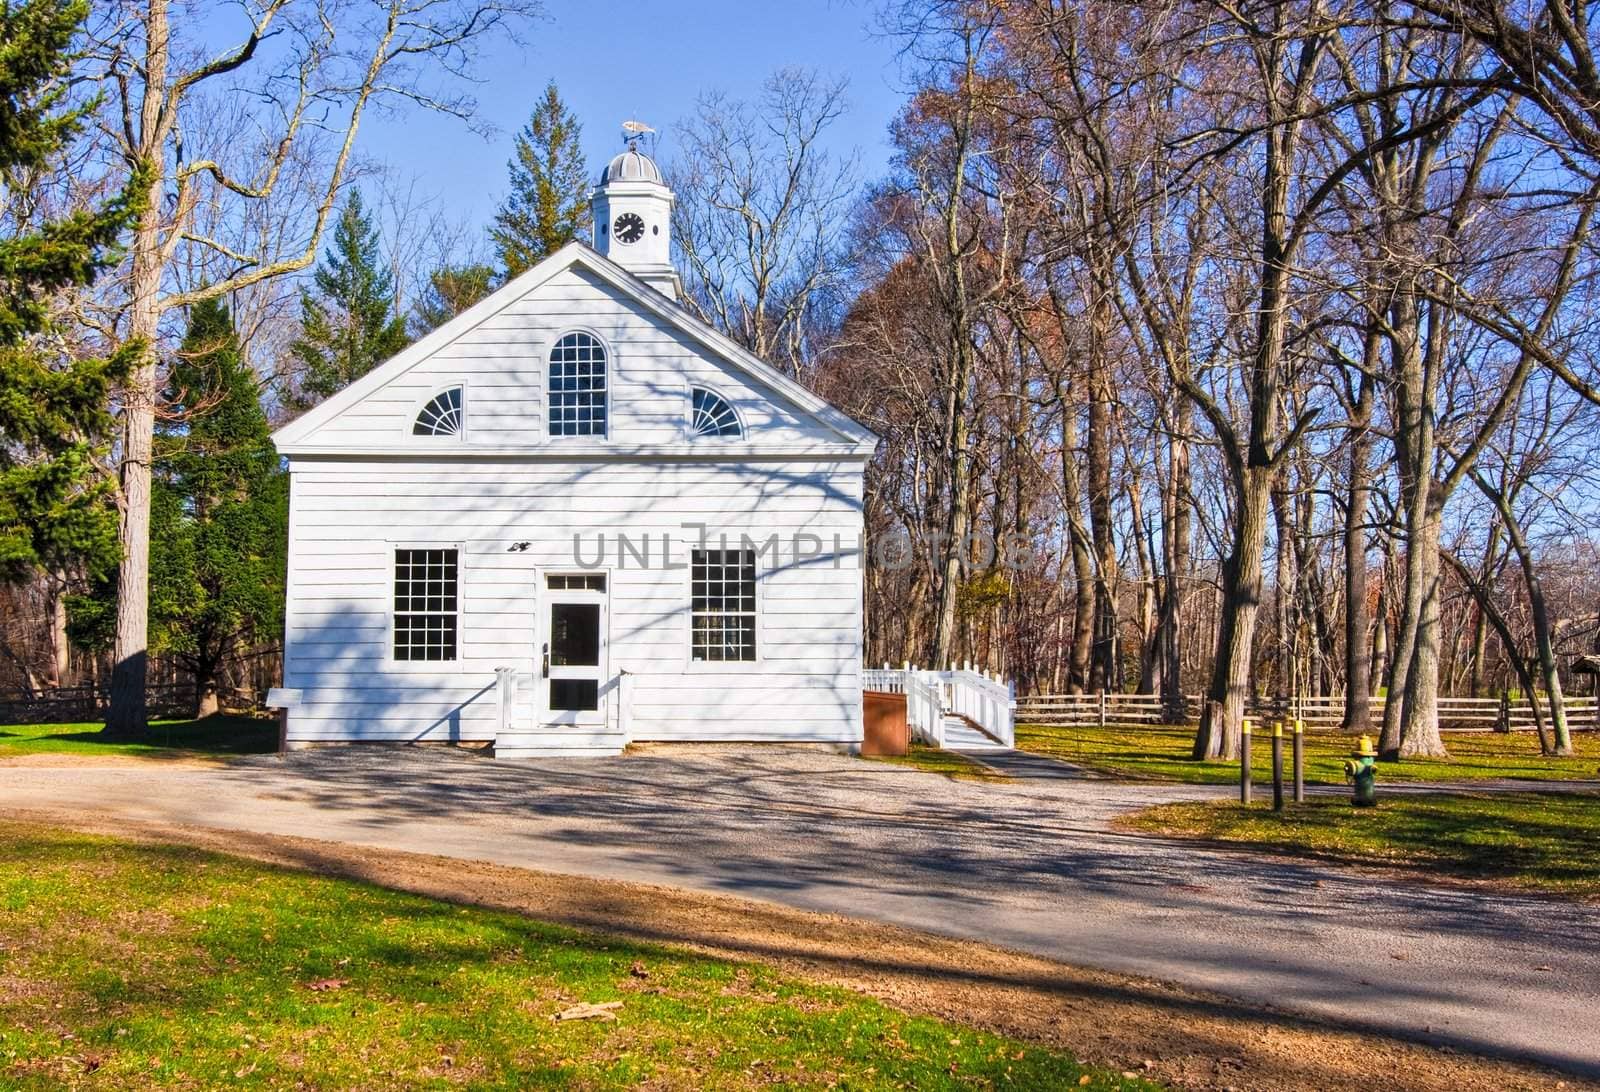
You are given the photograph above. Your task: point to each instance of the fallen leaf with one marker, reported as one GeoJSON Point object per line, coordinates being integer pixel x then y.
{"type": "Point", "coordinates": [323, 985]}
{"type": "Point", "coordinates": [605, 1010]}
{"type": "Point", "coordinates": [638, 970]}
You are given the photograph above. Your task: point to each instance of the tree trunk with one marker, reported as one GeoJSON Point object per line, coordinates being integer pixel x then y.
{"type": "Point", "coordinates": [1358, 652]}
{"type": "Point", "coordinates": [1380, 630]}
{"type": "Point", "coordinates": [1421, 730]}
{"type": "Point", "coordinates": [60, 647]}
{"type": "Point", "coordinates": [1175, 550]}
{"type": "Point", "coordinates": [127, 716]}
{"type": "Point", "coordinates": [1414, 450]}
{"type": "Point", "coordinates": [1082, 564]}
{"type": "Point", "coordinates": [207, 702]}
{"type": "Point", "coordinates": [1480, 649]}
{"type": "Point", "coordinates": [1218, 737]}
{"type": "Point", "coordinates": [1285, 667]}
{"type": "Point", "coordinates": [1103, 668]}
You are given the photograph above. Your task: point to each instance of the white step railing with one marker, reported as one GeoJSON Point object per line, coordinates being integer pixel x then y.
{"type": "Point", "coordinates": [984, 700]}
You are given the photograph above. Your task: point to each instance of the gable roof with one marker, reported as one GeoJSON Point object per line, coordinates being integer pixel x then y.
{"type": "Point", "coordinates": [289, 438]}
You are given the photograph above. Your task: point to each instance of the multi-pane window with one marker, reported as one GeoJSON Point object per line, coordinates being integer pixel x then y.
{"type": "Point", "coordinates": [426, 597]}
{"type": "Point", "coordinates": [578, 386]}
{"type": "Point", "coordinates": [442, 415]}
{"type": "Point", "coordinates": [576, 582]}
{"type": "Point", "coordinates": [723, 590]}
{"type": "Point", "coordinates": [712, 416]}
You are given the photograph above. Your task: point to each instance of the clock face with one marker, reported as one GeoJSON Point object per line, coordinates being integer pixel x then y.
{"type": "Point", "coordinates": [629, 228]}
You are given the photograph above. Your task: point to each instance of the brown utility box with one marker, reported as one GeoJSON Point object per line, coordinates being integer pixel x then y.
{"type": "Point", "coordinates": [885, 729]}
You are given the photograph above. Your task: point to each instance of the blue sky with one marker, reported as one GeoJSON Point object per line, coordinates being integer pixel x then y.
{"type": "Point", "coordinates": [647, 60]}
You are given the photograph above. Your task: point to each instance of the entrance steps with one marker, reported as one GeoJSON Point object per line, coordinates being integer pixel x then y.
{"type": "Point", "coordinates": [960, 734]}
{"type": "Point", "coordinates": [573, 742]}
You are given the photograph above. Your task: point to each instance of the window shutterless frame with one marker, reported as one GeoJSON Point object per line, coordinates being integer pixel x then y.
{"type": "Point", "coordinates": [569, 364]}
{"type": "Point", "coordinates": [724, 631]}
{"type": "Point", "coordinates": [430, 589]}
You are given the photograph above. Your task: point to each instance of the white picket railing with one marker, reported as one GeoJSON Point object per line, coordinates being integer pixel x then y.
{"type": "Point", "coordinates": [983, 700]}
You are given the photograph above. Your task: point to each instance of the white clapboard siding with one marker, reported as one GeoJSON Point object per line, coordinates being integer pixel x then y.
{"type": "Point", "coordinates": [501, 363]}
{"type": "Point", "coordinates": [348, 517]}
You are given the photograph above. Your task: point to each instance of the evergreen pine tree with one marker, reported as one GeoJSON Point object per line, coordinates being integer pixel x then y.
{"type": "Point", "coordinates": [451, 290]}
{"type": "Point", "coordinates": [348, 322]}
{"type": "Point", "coordinates": [53, 408]}
{"type": "Point", "coordinates": [219, 508]}
{"type": "Point", "coordinates": [548, 205]}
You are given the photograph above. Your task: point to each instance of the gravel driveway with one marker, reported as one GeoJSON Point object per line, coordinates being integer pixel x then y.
{"type": "Point", "coordinates": [1030, 864]}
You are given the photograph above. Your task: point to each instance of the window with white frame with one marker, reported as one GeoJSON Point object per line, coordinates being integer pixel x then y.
{"type": "Point", "coordinates": [723, 602]}
{"type": "Point", "coordinates": [442, 416]}
{"type": "Point", "coordinates": [578, 386]}
{"type": "Point", "coordinates": [713, 416]}
{"type": "Point", "coordinates": [426, 603]}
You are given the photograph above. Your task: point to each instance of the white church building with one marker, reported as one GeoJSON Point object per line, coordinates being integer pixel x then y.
{"type": "Point", "coordinates": [574, 517]}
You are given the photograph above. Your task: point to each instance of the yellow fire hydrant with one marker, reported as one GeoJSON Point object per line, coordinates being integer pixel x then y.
{"type": "Point", "coordinates": [1361, 770]}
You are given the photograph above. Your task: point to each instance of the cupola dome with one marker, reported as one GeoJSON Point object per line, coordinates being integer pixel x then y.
{"type": "Point", "coordinates": [631, 165]}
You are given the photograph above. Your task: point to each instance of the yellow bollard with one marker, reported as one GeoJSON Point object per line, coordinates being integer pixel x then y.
{"type": "Point", "coordinates": [1277, 765]}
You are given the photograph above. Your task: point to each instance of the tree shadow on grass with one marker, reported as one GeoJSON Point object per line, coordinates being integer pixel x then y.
{"type": "Point", "coordinates": [284, 954]}
{"type": "Point", "coordinates": [222, 734]}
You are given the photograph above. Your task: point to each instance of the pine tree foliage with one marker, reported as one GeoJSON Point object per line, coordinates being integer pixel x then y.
{"type": "Point", "coordinates": [349, 324]}
{"type": "Point", "coordinates": [451, 290]}
{"type": "Point", "coordinates": [219, 509]}
{"type": "Point", "coordinates": [548, 205]}
{"type": "Point", "coordinates": [53, 406]}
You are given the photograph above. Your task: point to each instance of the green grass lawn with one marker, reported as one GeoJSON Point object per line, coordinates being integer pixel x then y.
{"type": "Point", "coordinates": [226, 735]}
{"type": "Point", "coordinates": [1155, 751]}
{"type": "Point", "coordinates": [951, 764]}
{"type": "Point", "coordinates": [139, 966]}
{"type": "Point", "coordinates": [1543, 841]}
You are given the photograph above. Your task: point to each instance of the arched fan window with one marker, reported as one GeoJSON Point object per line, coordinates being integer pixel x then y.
{"type": "Point", "coordinates": [442, 415]}
{"type": "Point", "coordinates": [713, 416]}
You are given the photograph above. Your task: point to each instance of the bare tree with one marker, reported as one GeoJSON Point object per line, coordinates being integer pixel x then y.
{"type": "Point", "coordinates": [761, 205]}
{"type": "Point", "coordinates": [312, 67]}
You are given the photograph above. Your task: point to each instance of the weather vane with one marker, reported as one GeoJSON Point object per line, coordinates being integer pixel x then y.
{"type": "Point", "coordinates": [633, 130]}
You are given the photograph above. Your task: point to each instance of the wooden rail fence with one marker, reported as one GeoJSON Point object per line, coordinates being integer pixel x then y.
{"type": "Point", "coordinates": [1320, 714]}
{"type": "Point", "coordinates": [75, 704]}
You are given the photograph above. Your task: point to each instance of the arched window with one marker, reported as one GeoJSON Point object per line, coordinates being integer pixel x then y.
{"type": "Point", "coordinates": [713, 416]}
{"type": "Point", "coordinates": [578, 386]}
{"type": "Point", "coordinates": [442, 416]}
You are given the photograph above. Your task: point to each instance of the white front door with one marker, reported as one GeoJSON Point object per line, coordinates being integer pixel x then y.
{"type": "Point", "coordinates": [573, 650]}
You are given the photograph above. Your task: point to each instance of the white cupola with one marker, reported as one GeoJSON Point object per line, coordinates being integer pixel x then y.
{"type": "Point", "coordinates": [632, 212]}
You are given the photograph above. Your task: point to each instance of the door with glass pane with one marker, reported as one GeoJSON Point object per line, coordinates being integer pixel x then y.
{"type": "Point", "coordinates": [573, 649]}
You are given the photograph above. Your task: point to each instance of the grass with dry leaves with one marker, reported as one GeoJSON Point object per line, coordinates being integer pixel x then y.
{"type": "Point", "coordinates": [1541, 841]}
{"type": "Point", "coordinates": [1162, 753]}
{"type": "Point", "coordinates": [129, 965]}
{"type": "Point", "coordinates": [951, 764]}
